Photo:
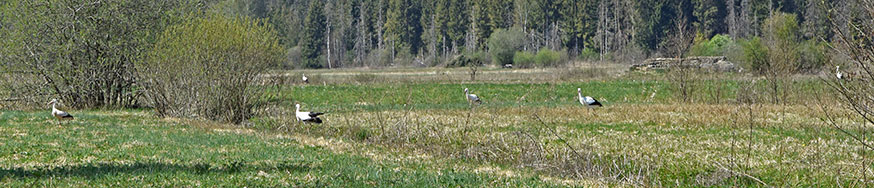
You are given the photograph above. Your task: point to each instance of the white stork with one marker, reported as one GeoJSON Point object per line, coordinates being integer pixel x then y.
{"type": "Point", "coordinates": [61, 115]}
{"type": "Point", "coordinates": [471, 98]}
{"type": "Point", "coordinates": [838, 73]}
{"type": "Point", "coordinates": [587, 101]}
{"type": "Point", "coordinates": [305, 79]}
{"type": "Point", "coordinates": [307, 117]}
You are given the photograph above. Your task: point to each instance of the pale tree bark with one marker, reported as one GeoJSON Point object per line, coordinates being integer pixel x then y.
{"type": "Point", "coordinates": [731, 18]}
{"type": "Point", "coordinates": [361, 39]}
{"type": "Point", "coordinates": [745, 21]}
{"type": "Point", "coordinates": [328, 45]}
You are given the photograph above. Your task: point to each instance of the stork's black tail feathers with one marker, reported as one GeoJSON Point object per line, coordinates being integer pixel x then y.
{"type": "Point", "coordinates": [316, 120]}
{"type": "Point", "coordinates": [596, 103]}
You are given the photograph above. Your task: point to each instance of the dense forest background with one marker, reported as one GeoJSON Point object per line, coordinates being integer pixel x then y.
{"type": "Point", "coordinates": [374, 33]}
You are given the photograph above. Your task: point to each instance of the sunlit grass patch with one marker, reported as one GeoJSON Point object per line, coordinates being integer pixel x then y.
{"type": "Point", "coordinates": [133, 148]}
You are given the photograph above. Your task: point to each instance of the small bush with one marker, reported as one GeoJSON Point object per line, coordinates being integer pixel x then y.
{"type": "Point", "coordinates": [504, 43]}
{"type": "Point", "coordinates": [467, 59]}
{"type": "Point", "coordinates": [781, 38]}
{"type": "Point", "coordinates": [546, 57]}
{"type": "Point", "coordinates": [589, 54]}
{"type": "Point", "coordinates": [204, 67]}
{"type": "Point", "coordinates": [478, 58]}
{"type": "Point", "coordinates": [402, 58]}
{"type": "Point", "coordinates": [813, 55]}
{"type": "Point", "coordinates": [713, 47]}
{"type": "Point", "coordinates": [523, 59]}
{"type": "Point", "coordinates": [755, 54]}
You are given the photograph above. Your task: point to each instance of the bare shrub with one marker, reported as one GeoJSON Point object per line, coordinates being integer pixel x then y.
{"type": "Point", "coordinates": [677, 46]}
{"type": "Point", "coordinates": [854, 36]}
{"type": "Point", "coordinates": [83, 55]}
{"type": "Point", "coordinates": [206, 68]}
{"type": "Point", "coordinates": [781, 40]}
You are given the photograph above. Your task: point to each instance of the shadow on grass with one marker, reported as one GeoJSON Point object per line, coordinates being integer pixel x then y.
{"type": "Point", "coordinates": [102, 169]}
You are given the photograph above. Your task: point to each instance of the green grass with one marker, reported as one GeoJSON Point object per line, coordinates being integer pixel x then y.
{"type": "Point", "coordinates": [375, 97]}
{"type": "Point", "coordinates": [397, 96]}
{"type": "Point", "coordinates": [408, 130]}
{"type": "Point", "coordinates": [132, 149]}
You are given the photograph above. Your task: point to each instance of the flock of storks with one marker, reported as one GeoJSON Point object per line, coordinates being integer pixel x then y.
{"type": "Point", "coordinates": [313, 117]}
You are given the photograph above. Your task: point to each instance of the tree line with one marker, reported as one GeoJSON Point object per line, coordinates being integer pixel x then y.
{"type": "Point", "coordinates": [355, 33]}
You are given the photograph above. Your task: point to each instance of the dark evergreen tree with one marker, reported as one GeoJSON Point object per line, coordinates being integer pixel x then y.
{"type": "Point", "coordinates": [402, 25]}
{"type": "Point", "coordinates": [312, 40]}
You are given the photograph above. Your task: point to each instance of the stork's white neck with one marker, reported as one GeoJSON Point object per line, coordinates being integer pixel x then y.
{"type": "Point", "coordinates": [53, 106]}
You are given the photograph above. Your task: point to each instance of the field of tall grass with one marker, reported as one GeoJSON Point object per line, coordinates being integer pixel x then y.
{"type": "Point", "coordinates": [414, 128]}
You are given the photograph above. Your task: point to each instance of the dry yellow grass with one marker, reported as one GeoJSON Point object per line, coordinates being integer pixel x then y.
{"type": "Point", "coordinates": [632, 144]}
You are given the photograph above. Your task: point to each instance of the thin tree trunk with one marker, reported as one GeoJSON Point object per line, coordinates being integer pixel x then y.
{"type": "Point", "coordinates": [329, 43]}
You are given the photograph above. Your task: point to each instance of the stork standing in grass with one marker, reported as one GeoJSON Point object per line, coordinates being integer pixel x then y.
{"type": "Point", "coordinates": [307, 117]}
{"type": "Point", "coordinates": [838, 73]}
{"type": "Point", "coordinates": [61, 115]}
{"type": "Point", "coordinates": [587, 101]}
{"type": "Point", "coordinates": [471, 98]}
{"type": "Point", "coordinates": [305, 79]}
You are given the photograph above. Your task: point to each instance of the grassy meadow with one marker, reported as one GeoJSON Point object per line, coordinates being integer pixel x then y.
{"type": "Point", "coordinates": [413, 128]}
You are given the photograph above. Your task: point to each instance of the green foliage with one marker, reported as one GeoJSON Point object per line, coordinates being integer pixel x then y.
{"type": "Point", "coordinates": [204, 67]}
{"type": "Point", "coordinates": [523, 59]}
{"type": "Point", "coordinates": [755, 54]}
{"type": "Point", "coordinates": [468, 59]}
{"type": "Point", "coordinates": [781, 38]}
{"type": "Point", "coordinates": [480, 23]}
{"type": "Point", "coordinates": [813, 56]}
{"type": "Point", "coordinates": [580, 23]}
{"type": "Point", "coordinates": [710, 19]}
{"type": "Point", "coordinates": [783, 27]}
{"type": "Point", "coordinates": [431, 29]}
{"type": "Point", "coordinates": [589, 54]}
{"type": "Point", "coordinates": [452, 20]}
{"type": "Point", "coordinates": [782, 51]}
{"type": "Point", "coordinates": [713, 47]}
{"type": "Point", "coordinates": [504, 43]}
{"type": "Point", "coordinates": [543, 58]}
{"type": "Point", "coordinates": [402, 27]}
{"type": "Point", "coordinates": [657, 22]}
{"type": "Point", "coordinates": [547, 58]}
{"type": "Point", "coordinates": [313, 39]}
